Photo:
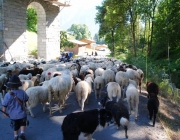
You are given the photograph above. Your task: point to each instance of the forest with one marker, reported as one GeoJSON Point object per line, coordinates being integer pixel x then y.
{"type": "Point", "coordinates": [144, 33]}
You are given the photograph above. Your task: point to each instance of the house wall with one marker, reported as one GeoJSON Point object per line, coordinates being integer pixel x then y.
{"type": "Point", "coordinates": [74, 49]}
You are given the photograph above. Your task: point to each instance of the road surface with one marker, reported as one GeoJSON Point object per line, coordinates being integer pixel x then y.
{"type": "Point", "coordinates": [43, 127]}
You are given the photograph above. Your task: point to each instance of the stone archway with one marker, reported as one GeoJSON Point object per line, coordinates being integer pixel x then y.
{"type": "Point", "coordinates": [13, 38]}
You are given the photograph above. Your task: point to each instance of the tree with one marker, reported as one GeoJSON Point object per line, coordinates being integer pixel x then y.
{"type": "Point", "coordinates": [64, 40]}
{"type": "Point", "coordinates": [31, 16]}
{"type": "Point", "coordinates": [110, 17]}
{"type": "Point", "coordinates": [80, 31]}
{"type": "Point", "coordinates": [98, 39]}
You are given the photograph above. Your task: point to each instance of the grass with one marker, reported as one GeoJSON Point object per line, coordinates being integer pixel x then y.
{"type": "Point", "coordinates": [31, 41]}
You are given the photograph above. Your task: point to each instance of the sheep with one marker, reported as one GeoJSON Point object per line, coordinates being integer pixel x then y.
{"type": "Point", "coordinates": [98, 86]}
{"type": "Point", "coordinates": [122, 79]}
{"type": "Point", "coordinates": [152, 106]}
{"type": "Point", "coordinates": [133, 75]}
{"type": "Point", "coordinates": [84, 68]}
{"type": "Point", "coordinates": [37, 94]}
{"type": "Point", "coordinates": [26, 84]}
{"type": "Point", "coordinates": [34, 72]}
{"type": "Point", "coordinates": [152, 88]}
{"type": "Point", "coordinates": [113, 90]}
{"type": "Point", "coordinates": [132, 97]}
{"type": "Point", "coordinates": [136, 76]}
{"type": "Point", "coordinates": [36, 79]}
{"type": "Point", "coordinates": [3, 79]}
{"type": "Point", "coordinates": [83, 89]}
{"type": "Point", "coordinates": [108, 76]}
{"type": "Point", "coordinates": [119, 112]}
{"type": "Point", "coordinates": [99, 72]}
{"type": "Point", "coordinates": [141, 73]}
{"type": "Point", "coordinates": [25, 77]}
{"type": "Point", "coordinates": [75, 72]}
{"type": "Point", "coordinates": [58, 88]}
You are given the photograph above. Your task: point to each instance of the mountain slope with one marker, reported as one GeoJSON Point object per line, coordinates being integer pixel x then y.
{"type": "Point", "coordinates": [80, 12]}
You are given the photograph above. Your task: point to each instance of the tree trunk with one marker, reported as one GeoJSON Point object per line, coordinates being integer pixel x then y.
{"type": "Point", "coordinates": [113, 42]}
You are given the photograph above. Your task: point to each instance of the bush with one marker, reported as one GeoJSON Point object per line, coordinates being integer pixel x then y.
{"type": "Point", "coordinates": [34, 53]}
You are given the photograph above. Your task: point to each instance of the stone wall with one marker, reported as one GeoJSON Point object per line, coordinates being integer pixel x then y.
{"type": "Point", "coordinates": [14, 29]}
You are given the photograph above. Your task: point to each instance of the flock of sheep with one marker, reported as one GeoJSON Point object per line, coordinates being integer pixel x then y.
{"type": "Point", "coordinates": [53, 81]}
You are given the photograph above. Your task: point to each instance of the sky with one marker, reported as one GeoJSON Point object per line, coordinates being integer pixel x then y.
{"type": "Point", "coordinates": [80, 12]}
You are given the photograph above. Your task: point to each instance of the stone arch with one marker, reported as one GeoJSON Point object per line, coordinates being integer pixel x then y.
{"type": "Point", "coordinates": [13, 38]}
{"type": "Point", "coordinates": [41, 26]}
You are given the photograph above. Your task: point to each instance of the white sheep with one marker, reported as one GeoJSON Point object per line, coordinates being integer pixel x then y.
{"type": "Point", "coordinates": [58, 88]}
{"type": "Point", "coordinates": [123, 80]}
{"type": "Point", "coordinates": [83, 69]}
{"type": "Point", "coordinates": [98, 86]}
{"type": "Point", "coordinates": [132, 97]}
{"type": "Point", "coordinates": [141, 73]}
{"type": "Point", "coordinates": [75, 72]}
{"type": "Point", "coordinates": [99, 72]}
{"type": "Point", "coordinates": [83, 89]}
{"type": "Point", "coordinates": [37, 94]}
{"type": "Point", "coordinates": [25, 77]}
{"type": "Point", "coordinates": [133, 75]}
{"type": "Point", "coordinates": [3, 79]}
{"type": "Point", "coordinates": [108, 76]}
{"type": "Point", "coordinates": [26, 84]}
{"type": "Point", "coordinates": [113, 90]}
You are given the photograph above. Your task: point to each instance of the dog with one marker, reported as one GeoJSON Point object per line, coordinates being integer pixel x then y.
{"type": "Point", "coordinates": [119, 112]}
{"type": "Point", "coordinates": [86, 122]}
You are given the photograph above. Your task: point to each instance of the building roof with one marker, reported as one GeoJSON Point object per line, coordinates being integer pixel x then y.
{"type": "Point", "coordinates": [88, 40]}
{"type": "Point", "coordinates": [77, 42]}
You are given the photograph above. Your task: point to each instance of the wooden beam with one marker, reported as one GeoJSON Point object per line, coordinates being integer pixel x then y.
{"type": "Point", "coordinates": [58, 3]}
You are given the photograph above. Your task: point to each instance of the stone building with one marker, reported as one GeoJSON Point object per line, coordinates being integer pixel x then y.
{"type": "Point", "coordinates": [13, 38]}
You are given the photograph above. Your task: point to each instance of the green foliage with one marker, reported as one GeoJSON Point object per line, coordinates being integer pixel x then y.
{"type": "Point", "coordinates": [64, 40]}
{"type": "Point", "coordinates": [98, 39]}
{"type": "Point", "coordinates": [31, 20]}
{"type": "Point", "coordinates": [80, 31]}
{"type": "Point", "coordinates": [34, 53]}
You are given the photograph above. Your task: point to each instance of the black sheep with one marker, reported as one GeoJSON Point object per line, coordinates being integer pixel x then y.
{"type": "Point", "coordinates": [34, 71]}
{"type": "Point", "coordinates": [152, 106]}
{"type": "Point", "coordinates": [152, 88]}
{"type": "Point", "coordinates": [86, 122]}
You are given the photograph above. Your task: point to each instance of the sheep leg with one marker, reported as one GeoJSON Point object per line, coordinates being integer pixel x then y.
{"type": "Point", "coordinates": [60, 104]}
{"type": "Point", "coordinates": [30, 110]}
{"type": "Point", "coordinates": [118, 97]}
{"type": "Point", "coordinates": [125, 128]}
{"type": "Point", "coordinates": [129, 106]}
{"type": "Point", "coordinates": [96, 94]}
{"type": "Point", "coordinates": [136, 110]}
{"type": "Point", "coordinates": [82, 104]}
{"type": "Point", "coordinates": [50, 98]}
{"type": "Point", "coordinates": [100, 94]}
{"type": "Point", "coordinates": [154, 120]}
{"type": "Point", "coordinates": [44, 107]}
{"type": "Point", "coordinates": [117, 122]}
{"type": "Point", "coordinates": [150, 114]}
{"type": "Point", "coordinates": [79, 102]}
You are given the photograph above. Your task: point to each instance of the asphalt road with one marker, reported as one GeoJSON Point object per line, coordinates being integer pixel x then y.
{"type": "Point", "coordinates": [43, 127]}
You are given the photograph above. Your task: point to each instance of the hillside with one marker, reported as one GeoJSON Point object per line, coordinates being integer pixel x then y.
{"type": "Point", "coordinates": [80, 12]}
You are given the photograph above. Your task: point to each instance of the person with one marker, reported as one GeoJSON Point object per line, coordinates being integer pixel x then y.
{"type": "Point", "coordinates": [92, 52]}
{"type": "Point", "coordinates": [62, 57]}
{"type": "Point", "coordinates": [95, 53]}
{"type": "Point", "coordinates": [14, 104]}
{"type": "Point", "coordinates": [66, 59]}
